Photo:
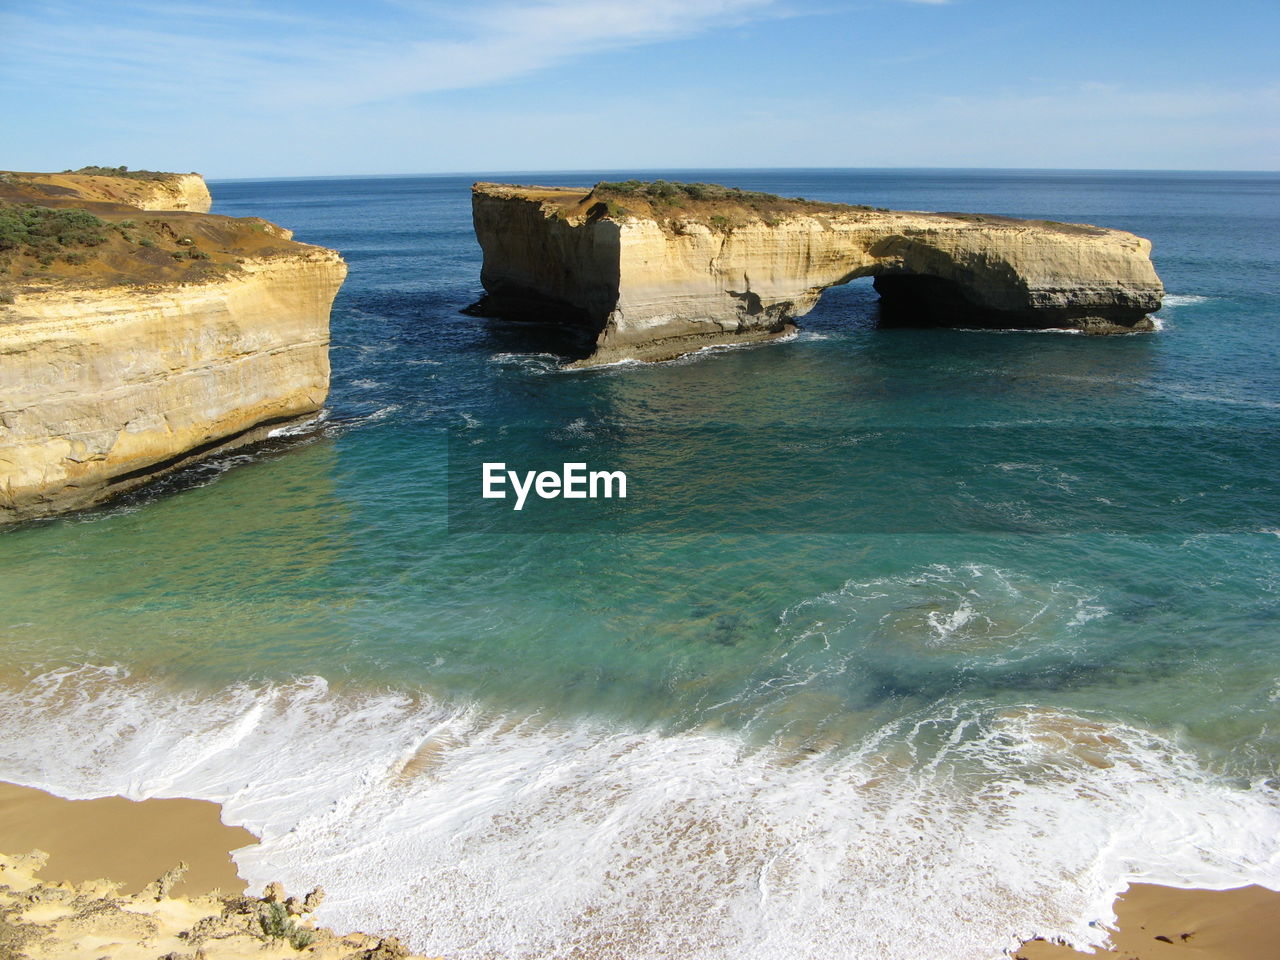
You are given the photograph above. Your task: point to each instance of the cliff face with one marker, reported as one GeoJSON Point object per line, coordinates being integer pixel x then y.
{"type": "Point", "coordinates": [134, 343]}
{"type": "Point", "coordinates": [104, 389]}
{"type": "Point", "coordinates": [653, 281]}
{"type": "Point", "coordinates": [170, 191]}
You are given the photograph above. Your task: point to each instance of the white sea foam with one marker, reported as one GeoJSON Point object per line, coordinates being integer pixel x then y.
{"type": "Point", "coordinates": [951, 833]}
{"type": "Point", "coordinates": [694, 356]}
{"type": "Point", "coordinates": [1004, 331]}
{"type": "Point", "coordinates": [298, 429]}
{"type": "Point", "coordinates": [978, 607]}
{"type": "Point", "coordinates": [380, 414]}
{"type": "Point", "coordinates": [537, 363]}
{"type": "Point", "coordinates": [1182, 300]}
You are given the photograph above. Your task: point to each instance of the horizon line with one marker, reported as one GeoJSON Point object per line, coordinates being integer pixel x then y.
{"type": "Point", "coordinates": [597, 170]}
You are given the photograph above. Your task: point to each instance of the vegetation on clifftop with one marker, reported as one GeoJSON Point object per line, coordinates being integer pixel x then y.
{"type": "Point", "coordinates": [93, 171]}
{"type": "Point", "coordinates": [102, 246]}
{"type": "Point", "coordinates": [675, 193]}
{"type": "Point", "coordinates": [724, 209]}
{"type": "Point", "coordinates": [45, 233]}
{"type": "Point", "coordinates": [71, 235]}
{"type": "Point", "coordinates": [720, 207]}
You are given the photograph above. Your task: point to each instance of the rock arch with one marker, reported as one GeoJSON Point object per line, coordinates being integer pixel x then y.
{"type": "Point", "coordinates": [651, 285]}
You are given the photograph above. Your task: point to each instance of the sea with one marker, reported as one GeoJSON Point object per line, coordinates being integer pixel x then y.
{"type": "Point", "coordinates": [905, 643]}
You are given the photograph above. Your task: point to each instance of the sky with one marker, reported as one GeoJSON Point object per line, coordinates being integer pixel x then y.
{"type": "Point", "coordinates": [335, 87]}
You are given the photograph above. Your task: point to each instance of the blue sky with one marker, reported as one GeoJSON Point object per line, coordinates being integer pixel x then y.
{"type": "Point", "coordinates": [242, 89]}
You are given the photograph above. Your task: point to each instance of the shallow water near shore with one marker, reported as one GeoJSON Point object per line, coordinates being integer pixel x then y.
{"type": "Point", "coordinates": [783, 738]}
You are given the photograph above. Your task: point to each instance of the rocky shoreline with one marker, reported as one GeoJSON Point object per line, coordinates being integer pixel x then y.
{"type": "Point", "coordinates": [52, 920]}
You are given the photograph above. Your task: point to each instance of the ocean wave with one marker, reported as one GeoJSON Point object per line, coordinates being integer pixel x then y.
{"type": "Point", "coordinates": [975, 606]}
{"type": "Point", "coordinates": [1011, 330]}
{"type": "Point", "coordinates": [536, 363]}
{"type": "Point", "coordinates": [953, 832]}
{"type": "Point", "coordinates": [300, 429]}
{"type": "Point", "coordinates": [380, 414]}
{"type": "Point", "coordinates": [1182, 300]}
{"type": "Point", "coordinates": [717, 348]}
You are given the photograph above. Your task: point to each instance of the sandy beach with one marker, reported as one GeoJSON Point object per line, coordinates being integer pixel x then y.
{"type": "Point", "coordinates": [115, 879]}
{"type": "Point", "coordinates": [133, 844]}
{"type": "Point", "coordinates": [129, 842]}
{"type": "Point", "coordinates": [1164, 923]}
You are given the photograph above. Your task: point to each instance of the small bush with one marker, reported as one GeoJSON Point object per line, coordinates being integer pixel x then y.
{"type": "Point", "coordinates": [146, 242]}
{"type": "Point", "coordinates": [277, 925]}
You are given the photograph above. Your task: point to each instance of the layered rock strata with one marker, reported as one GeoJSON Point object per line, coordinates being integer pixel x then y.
{"type": "Point", "coordinates": [157, 342]}
{"type": "Point", "coordinates": [650, 277]}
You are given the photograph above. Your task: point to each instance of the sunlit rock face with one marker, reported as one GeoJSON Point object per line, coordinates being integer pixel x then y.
{"type": "Point", "coordinates": [104, 389]}
{"type": "Point", "coordinates": [651, 282]}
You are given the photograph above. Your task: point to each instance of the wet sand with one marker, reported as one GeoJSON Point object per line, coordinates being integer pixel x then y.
{"type": "Point", "coordinates": [135, 843]}
{"type": "Point", "coordinates": [1165, 923]}
{"type": "Point", "coordinates": [123, 840]}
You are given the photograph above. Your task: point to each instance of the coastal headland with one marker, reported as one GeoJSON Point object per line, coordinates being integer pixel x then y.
{"type": "Point", "coordinates": [144, 189]}
{"type": "Point", "coordinates": [651, 271]}
{"type": "Point", "coordinates": [134, 342]}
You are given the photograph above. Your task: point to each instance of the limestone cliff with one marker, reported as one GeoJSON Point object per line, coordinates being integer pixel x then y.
{"type": "Point", "coordinates": [144, 190]}
{"type": "Point", "coordinates": [133, 344]}
{"type": "Point", "coordinates": [654, 271]}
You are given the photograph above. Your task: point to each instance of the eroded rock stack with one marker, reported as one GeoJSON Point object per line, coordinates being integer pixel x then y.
{"type": "Point", "coordinates": [653, 271]}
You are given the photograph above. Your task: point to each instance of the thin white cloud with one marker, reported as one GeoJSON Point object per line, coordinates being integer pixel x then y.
{"type": "Point", "coordinates": [411, 48]}
{"type": "Point", "coordinates": [511, 40]}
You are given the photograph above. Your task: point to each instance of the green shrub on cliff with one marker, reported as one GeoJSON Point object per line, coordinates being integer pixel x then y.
{"type": "Point", "coordinates": [120, 172]}
{"type": "Point", "coordinates": [277, 925]}
{"type": "Point", "coordinates": [720, 207]}
{"type": "Point", "coordinates": [675, 194]}
{"type": "Point", "coordinates": [44, 233]}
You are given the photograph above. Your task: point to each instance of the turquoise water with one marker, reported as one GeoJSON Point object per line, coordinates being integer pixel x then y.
{"type": "Point", "coordinates": [949, 626]}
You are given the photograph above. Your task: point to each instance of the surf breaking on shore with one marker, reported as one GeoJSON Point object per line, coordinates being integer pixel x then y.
{"type": "Point", "coordinates": [958, 831]}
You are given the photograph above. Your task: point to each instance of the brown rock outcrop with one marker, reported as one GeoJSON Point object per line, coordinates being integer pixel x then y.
{"type": "Point", "coordinates": [652, 275]}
